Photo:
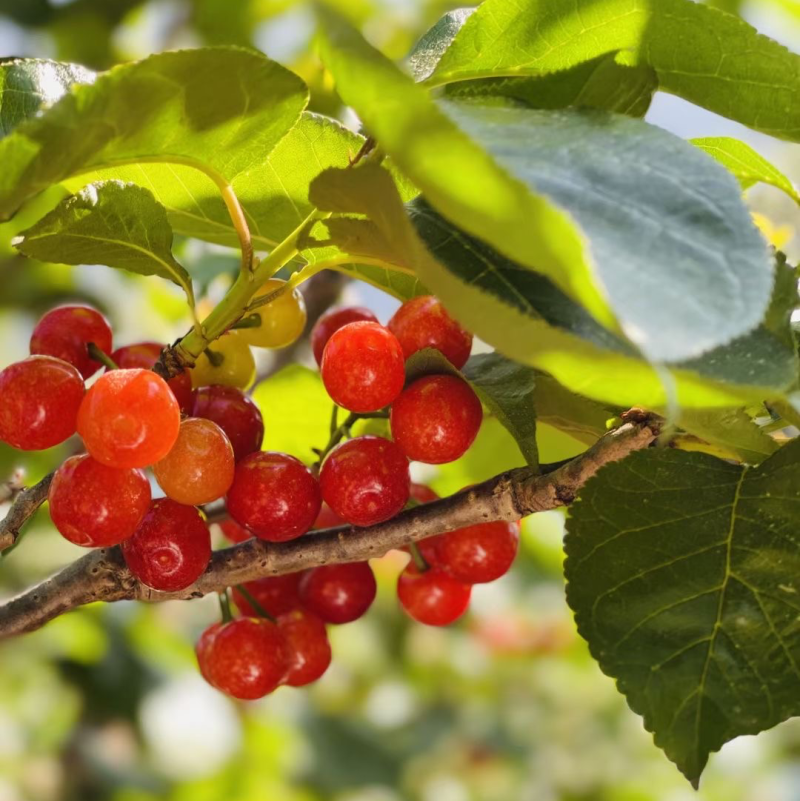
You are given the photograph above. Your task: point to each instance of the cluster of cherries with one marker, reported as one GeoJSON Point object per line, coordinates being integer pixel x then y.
{"type": "Point", "coordinates": [201, 435]}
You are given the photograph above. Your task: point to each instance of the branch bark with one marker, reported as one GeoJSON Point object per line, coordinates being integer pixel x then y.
{"type": "Point", "coordinates": [102, 575]}
{"type": "Point", "coordinates": [25, 504]}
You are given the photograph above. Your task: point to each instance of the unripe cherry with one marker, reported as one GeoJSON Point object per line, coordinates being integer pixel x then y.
{"type": "Point", "coordinates": [97, 506]}
{"type": "Point", "coordinates": [330, 322]}
{"type": "Point", "coordinates": [423, 322]}
{"type": "Point", "coordinates": [129, 418]}
{"type": "Point", "coordinates": [66, 332]}
{"type": "Point", "coordinates": [309, 647]}
{"type": "Point", "coordinates": [171, 548]}
{"type": "Point", "coordinates": [145, 355]}
{"type": "Point", "coordinates": [479, 554]}
{"type": "Point", "coordinates": [436, 419]}
{"type": "Point", "coordinates": [235, 413]}
{"type": "Point", "coordinates": [365, 480]}
{"type": "Point", "coordinates": [274, 495]}
{"type": "Point", "coordinates": [282, 320]}
{"type": "Point", "coordinates": [433, 596]}
{"type": "Point", "coordinates": [363, 367]}
{"type": "Point", "coordinates": [338, 593]}
{"type": "Point", "coordinates": [231, 363]}
{"type": "Point", "coordinates": [199, 468]}
{"type": "Point", "coordinates": [40, 400]}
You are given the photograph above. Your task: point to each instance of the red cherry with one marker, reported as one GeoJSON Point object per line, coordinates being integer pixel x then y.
{"type": "Point", "coordinates": [479, 554]}
{"type": "Point", "coordinates": [365, 480]}
{"type": "Point", "coordinates": [327, 518]}
{"type": "Point", "coordinates": [422, 493]}
{"type": "Point", "coordinates": [66, 332]}
{"type": "Point", "coordinates": [436, 419]}
{"type": "Point", "coordinates": [97, 506]}
{"type": "Point", "coordinates": [423, 323]}
{"type": "Point", "coordinates": [199, 468]}
{"type": "Point", "coordinates": [338, 593]}
{"type": "Point", "coordinates": [363, 367]}
{"type": "Point", "coordinates": [40, 401]}
{"type": "Point", "coordinates": [129, 418]}
{"type": "Point", "coordinates": [275, 495]}
{"type": "Point", "coordinates": [246, 658]}
{"type": "Point", "coordinates": [235, 413]}
{"type": "Point", "coordinates": [310, 650]}
{"type": "Point", "coordinates": [276, 595]}
{"type": "Point", "coordinates": [330, 322]}
{"type": "Point", "coordinates": [234, 532]}
{"type": "Point", "coordinates": [432, 597]}
{"type": "Point", "coordinates": [145, 355]}
{"type": "Point", "coordinates": [203, 648]}
{"type": "Point", "coordinates": [171, 548]}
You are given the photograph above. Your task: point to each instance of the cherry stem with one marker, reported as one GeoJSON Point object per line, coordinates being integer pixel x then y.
{"type": "Point", "coordinates": [215, 357]}
{"type": "Point", "coordinates": [419, 559]}
{"type": "Point", "coordinates": [99, 356]}
{"type": "Point", "coordinates": [251, 321]}
{"type": "Point", "coordinates": [225, 607]}
{"type": "Point", "coordinates": [343, 430]}
{"type": "Point", "coordinates": [334, 419]}
{"type": "Point", "coordinates": [248, 596]}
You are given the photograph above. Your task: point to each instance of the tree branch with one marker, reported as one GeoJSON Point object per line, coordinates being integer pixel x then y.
{"type": "Point", "coordinates": [25, 504]}
{"type": "Point", "coordinates": [101, 575]}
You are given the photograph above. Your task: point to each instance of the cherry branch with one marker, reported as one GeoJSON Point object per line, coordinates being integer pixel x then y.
{"type": "Point", "coordinates": [26, 502]}
{"type": "Point", "coordinates": [102, 575]}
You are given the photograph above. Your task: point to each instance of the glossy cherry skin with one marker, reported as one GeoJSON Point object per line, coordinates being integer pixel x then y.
{"type": "Point", "coordinates": [363, 368]}
{"type": "Point", "coordinates": [171, 548]}
{"type": "Point", "coordinates": [436, 419]}
{"type": "Point", "coordinates": [66, 332]}
{"type": "Point", "coordinates": [129, 418]}
{"type": "Point", "coordinates": [423, 323]}
{"type": "Point", "coordinates": [97, 506]}
{"type": "Point", "coordinates": [365, 480]}
{"type": "Point", "coordinates": [274, 495]}
{"type": "Point", "coordinates": [246, 658]}
{"type": "Point", "coordinates": [309, 648]}
{"type": "Point", "coordinates": [199, 468]}
{"type": "Point", "coordinates": [237, 367]}
{"type": "Point", "coordinates": [234, 532]}
{"type": "Point", "coordinates": [433, 597]}
{"type": "Point", "coordinates": [203, 648]}
{"type": "Point", "coordinates": [282, 320]}
{"type": "Point", "coordinates": [479, 554]}
{"type": "Point", "coordinates": [330, 322]}
{"type": "Point", "coordinates": [276, 595]}
{"type": "Point", "coordinates": [145, 355]}
{"type": "Point", "coordinates": [39, 402]}
{"type": "Point", "coordinates": [235, 413]}
{"type": "Point", "coordinates": [338, 593]}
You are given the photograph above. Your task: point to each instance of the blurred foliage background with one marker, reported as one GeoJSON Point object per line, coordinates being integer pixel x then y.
{"type": "Point", "coordinates": [106, 703]}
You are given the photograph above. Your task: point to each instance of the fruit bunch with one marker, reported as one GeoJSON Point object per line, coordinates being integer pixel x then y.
{"type": "Point", "coordinates": [200, 435]}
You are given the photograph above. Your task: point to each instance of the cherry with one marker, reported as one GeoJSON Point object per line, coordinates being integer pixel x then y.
{"type": "Point", "coordinates": [275, 495]}
{"type": "Point", "coordinates": [203, 648]}
{"type": "Point", "coordinates": [479, 554]}
{"type": "Point", "coordinates": [246, 658]}
{"type": "Point", "coordinates": [282, 320]}
{"type": "Point", "coordinates": [66, 332]}
{"type": "Point", "coordinates": [40, 401]}
{"type": "Point", "coordinates": [423, 494]}
{"type": "Point", "coordinates": [129, 418]}
{"type": "Point", "coordinates": [422, 322]}
{"type": "Point", "coordinates": [97, 506]}
{"type": "Point", "coordinates": [145, 355]}
{"type": "Point", "coordinates": [432, 597]}
{"type": "Point", "coordinates": [327, 518]}
{"type": "Point", "coordinates": [234, 532]}
{"type": "Point", "coordinates": [199, 468]}
{"type": "Point", "coordinates": [235, 413]}
{"type": "Point", "coordinates": [436, 419]}
{"type": "Point", "coordinates": [365, 480]}
{"type": "Point", "coordinates": [429, 547]}
{"type": "Point", "coordinates": [232, 366]}
{"type": "Point", "coordinates": [338, 593]}
{"type": "Point", "coordinates": [363, 367]}
{"type": "Point", "coordinates": [310, 650]}
{"type": "Point", "coordinates": [332, 321]}
{"type": "Point", "coordinates": [171, 548]}
{"type": "Point", "coordinates": [276, 595]}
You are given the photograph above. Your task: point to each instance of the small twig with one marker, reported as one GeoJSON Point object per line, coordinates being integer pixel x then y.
{"type": "Point", "coordinates": [419, 559]}
{"type": "Point", "coordinates": [102, 357]}
{"type": "Point", "coordinates": [26, 502]}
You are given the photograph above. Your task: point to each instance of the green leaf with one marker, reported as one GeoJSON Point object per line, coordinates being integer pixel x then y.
{"type": "Point", "coordinates": [731, 429]}
{"type": "Point", "coordinates": [708, 57]}
{"type": "Point", "coordinates": [219, 110]}
{"type": "Point", "coordinates": [682, 572]}
{"type": "Point", "coordinates": [425, 54]}
{"type": "Point", "coordinates": [749, 167]}
{"type": "Point", "coordinates": [530, 320]}
{"type": "Point", "coordinates": [28, 84]}
{"type": "Point", "coordinates": [111, 223]}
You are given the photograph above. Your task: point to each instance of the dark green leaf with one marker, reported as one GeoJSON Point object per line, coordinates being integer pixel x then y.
{"type": "Point", "coordinates": [683, 575]}
{"type": "Point", "coordinates": [120, 225]}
